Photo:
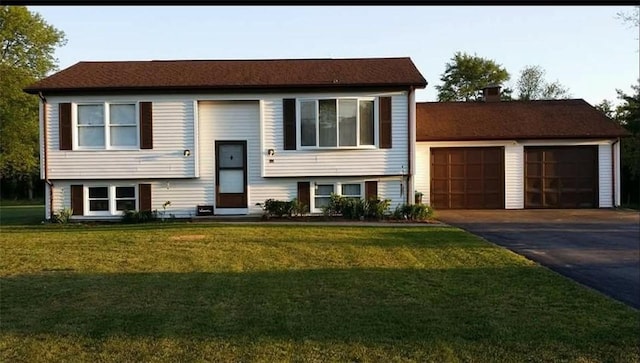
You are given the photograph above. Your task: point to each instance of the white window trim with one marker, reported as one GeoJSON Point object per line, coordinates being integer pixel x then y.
{"type": "Point", "coordinates": [112, 199]}
{"type": "Point", "coordinates": [338, 147]}
{"type": "Point", "coordinates": [337, 189]}
{"type": "Point", "coordinates": [106, 125]}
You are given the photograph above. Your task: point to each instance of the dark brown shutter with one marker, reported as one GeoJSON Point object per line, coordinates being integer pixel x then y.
{"type": "Point", "coordinates": [144, 197]}
{"type": "Point", "coordinates": [77, 200]}
{"type": "Point", "coordinates": [304, 194]}
{"type": "Point", "coordinates": [146, 125]}
{"type": "Point", "coordinates": [371, 189]}
{"type": "Point", "coordinates": [289, 123]}
{"type": "Point", "coordinates": [385, 122]}
{"type": "Point", "coordinates": [64, 121]}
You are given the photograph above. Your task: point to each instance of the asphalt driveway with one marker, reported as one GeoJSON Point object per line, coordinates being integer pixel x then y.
{"type": "Point", "coordinates": [599, 248]}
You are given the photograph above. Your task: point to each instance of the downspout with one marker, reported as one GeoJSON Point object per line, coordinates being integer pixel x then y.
{"type": "Point", "coordinates": [411, 107]}
{"type": "Point", "coordinates": [45, 153]}
{"type": "Point", "coordinates": [615, 165]}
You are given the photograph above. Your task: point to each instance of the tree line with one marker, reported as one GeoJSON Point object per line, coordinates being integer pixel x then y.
{"type": "Point", "coordinates": [465, 76]}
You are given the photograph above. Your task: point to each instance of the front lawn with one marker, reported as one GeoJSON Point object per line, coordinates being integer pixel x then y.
{"type": "Point", "coordinates": [18, 214]}
{"type": "Point", "coordinates": [213, 292]}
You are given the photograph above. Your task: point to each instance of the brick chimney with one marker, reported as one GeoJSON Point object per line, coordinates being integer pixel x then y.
{"type": "Point", "coordinates": [491, 93]}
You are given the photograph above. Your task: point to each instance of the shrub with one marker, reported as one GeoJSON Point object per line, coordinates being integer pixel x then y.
{"type": "Point", "coordinates": [277, 208]}
{"type": "Point", "coordinates": [352, 208]}
{"type": "Point", "coordinates": [133, 216]}
{"type": "Point", "coordinates": [298, 208]}
{"type": "Point", "coordinates": [376, 208]}
{"type": "Point", "coordinates": [413, 212]}
{"type": "Point", "coordinates": [334, 207]}
{"type": "Point", "coordinates": [63, 216]}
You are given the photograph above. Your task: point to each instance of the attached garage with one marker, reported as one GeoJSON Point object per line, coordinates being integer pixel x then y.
{"type": "Point", "coordinates": [517, 154]}
{"type": "Point", "coordinates": [467, 178]}
{"type": "Point", "coordinates": [561, 176]}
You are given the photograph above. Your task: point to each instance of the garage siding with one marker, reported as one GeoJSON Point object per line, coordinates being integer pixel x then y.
{"type": "Point", "coordinates": [605, 176]}
{"type": "Point", "coordinates": [514, 176]}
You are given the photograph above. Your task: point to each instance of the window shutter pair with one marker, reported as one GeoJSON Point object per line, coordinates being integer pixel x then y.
{"type": "Point", "coordinates": [289, 122]}
{"type": "Point", "coordinates": [77, 198]}
{"type": "Point", "coordinates": [65, 128]}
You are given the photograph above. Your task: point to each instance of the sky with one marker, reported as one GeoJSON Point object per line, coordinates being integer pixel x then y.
{"type": "Point", "coordinates": [586, 48]}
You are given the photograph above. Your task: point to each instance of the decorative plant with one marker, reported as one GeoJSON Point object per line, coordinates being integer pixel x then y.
{"type": "Point", "coordinates": [63, 216]}
{"type": "Point", "coordinates": [164, 209]}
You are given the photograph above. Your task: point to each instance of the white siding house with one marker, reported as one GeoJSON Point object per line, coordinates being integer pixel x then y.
{"type": "Point", "coordinates": [106, 151]}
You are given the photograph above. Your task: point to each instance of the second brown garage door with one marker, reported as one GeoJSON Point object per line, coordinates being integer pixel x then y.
{"type": "Point", "coordinates": [467, 178]}
{"type": "Point", "coordinates": [561, 177]}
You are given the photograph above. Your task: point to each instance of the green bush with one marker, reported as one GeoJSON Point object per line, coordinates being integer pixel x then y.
{"type": "Point", "coordinates": [377, 208]}
{"type": "Point", "coordinates": [63, 216]}
{"type": "Point", "coordinates": [133, 216]}
{"type": "Point", "coordinates": [352, 208]}
{"type": "Point", "coordinates": [413, 212]}
{"type": "Point", "coordinates": [276, 208]}
{"type": "Point", "coordinates": [298, 208]}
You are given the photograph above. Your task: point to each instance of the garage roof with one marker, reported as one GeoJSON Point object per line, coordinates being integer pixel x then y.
{"type": "Point", "coordinates": [232, 74]}
{"type": "Point", "coordinates": [540, 119]}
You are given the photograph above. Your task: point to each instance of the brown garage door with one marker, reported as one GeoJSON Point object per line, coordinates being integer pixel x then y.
{"type": "Point", "coordinates": [467, 178]}
{"type": "Point", "coordinates": [561, 177]}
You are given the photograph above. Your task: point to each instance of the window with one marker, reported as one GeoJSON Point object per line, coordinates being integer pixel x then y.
{"type": "Point", "coordinates": [125, 198]}
{"type": "Point", "coordinates": [122, 124]}
{"type": "Point", "coordinates": [98, 199]}
{"type": "Point", "coordinates": [110, 200]}
{"type": "Point", "coordinates": [352, 191]}
{"type": "Point", "coordinates": [323, 191]}
{"type": "Point", "coordinates": [323, 195]}
{"type": "Point", "coordinates": [91, 126]}
{"type": "Point", "coordinates": [335, 123]}
{"type": "Point", "coordinates": [107, 126]}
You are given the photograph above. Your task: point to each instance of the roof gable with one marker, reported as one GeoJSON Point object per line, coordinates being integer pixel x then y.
{"type": "Point", "coordinates": [233, 74]}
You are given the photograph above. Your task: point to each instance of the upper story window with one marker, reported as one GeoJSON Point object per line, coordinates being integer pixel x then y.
{"type": "Point", "coordinates": [337, 123]}
{"type": "Point", "coordinates": [107, 126]}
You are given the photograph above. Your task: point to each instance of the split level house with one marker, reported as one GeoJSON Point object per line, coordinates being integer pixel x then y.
{"type": "Point", "coordinates": [218, 137]}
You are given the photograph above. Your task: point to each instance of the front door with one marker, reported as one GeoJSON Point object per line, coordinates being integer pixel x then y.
{"type": "Point", "coordinates": [231, 174]}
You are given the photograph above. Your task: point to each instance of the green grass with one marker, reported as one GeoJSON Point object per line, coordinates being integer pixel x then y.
{"type": "Point", "coordinates": [20, 214]}
{"type": "Point", "coordinates": [271, 293]}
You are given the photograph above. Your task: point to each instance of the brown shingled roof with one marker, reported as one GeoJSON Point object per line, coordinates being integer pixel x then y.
{"type": "Point", "coordinates": [233, 74]}
{"type": "Point", "coordinates": [543, 119]}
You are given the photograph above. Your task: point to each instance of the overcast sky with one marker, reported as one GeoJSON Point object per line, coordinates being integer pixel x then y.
{"type": "Point", "coordinates": [586, 48]}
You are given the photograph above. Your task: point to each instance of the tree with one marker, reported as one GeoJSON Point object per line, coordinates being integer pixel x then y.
{"type": "Point", "coordinates": [632, 17]}
{"type": "Point", "coordinates": [607, 108]}
{"type": "Point", "coordinates": [532, 86]}
{"type": "Point", "coordinates": [628, 115]}
{"type": "Point", "coordinates": [466, 75]}
{"type": "Point", "coordinates": [26, 55]}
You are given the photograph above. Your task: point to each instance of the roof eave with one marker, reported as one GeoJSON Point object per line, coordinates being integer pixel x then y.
{"type": "Point", "coordinates": [519, 137]}
{"type": "Point", "coordinates": [36, 90]}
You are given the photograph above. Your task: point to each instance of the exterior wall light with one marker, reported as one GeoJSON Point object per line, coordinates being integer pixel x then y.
{"type": "Point", "coordinates": [271, 152]}
{"type": "Point", "coordinates": [187, 152]}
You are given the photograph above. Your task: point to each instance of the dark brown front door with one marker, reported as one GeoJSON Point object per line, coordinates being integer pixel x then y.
{"type": "Point", "coordinates": [231, 174]}
{"type": "Point", "coordinates": [467, 178]}
{"type": "Point", "coordinates": [561, 176]}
